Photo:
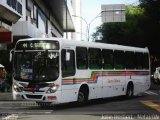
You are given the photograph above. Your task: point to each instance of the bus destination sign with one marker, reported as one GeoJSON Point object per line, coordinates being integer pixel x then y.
{"type": "Point", "coordinates": [37, 45]}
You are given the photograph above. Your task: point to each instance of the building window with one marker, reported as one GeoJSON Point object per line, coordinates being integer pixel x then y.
{"type": "Point", "coordinates": [9, 2]}
{"type": "Point", "coordinates": [17, 6]}
{"type": "Point", "coordinates": [41, 21]}
{"type": "Point", "coordinates": [14, 2]}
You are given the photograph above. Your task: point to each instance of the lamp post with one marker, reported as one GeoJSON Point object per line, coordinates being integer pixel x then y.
{"type": "Point", "coordinates": [81, 26]}
{"type": "Point", "coordinates": [88, 24]}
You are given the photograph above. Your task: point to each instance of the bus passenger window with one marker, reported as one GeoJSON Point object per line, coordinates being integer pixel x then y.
{"type": "Point", "coordinates": [95, 58]}
{"type": "Point", "coordinates": [68, 66]}
{"type": "Point", "coordinates": [82, 58]}
{"type": "Point", "coordinates": [130, 59]}
{"type": "Point", "coordinates": [119, 59]}
{"type": "Point", "coordinates": [139, 60]}
{"type": "Point", "coordinates": [146, 61]}
{"type": "Point", "coordinates": [107, 59]}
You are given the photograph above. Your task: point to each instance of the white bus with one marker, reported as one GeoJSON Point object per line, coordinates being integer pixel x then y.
{"type": "Point", "coordinates": [54, 70]}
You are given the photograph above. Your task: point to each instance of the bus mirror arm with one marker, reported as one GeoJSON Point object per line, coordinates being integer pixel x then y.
{"type": "Point", "coordinates": [11, 55]}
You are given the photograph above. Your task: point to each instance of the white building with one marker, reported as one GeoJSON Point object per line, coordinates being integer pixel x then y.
{"type": "Point", "coordinates": [76, 5]}
{"type": "Point", "coordinates": [33, 18]}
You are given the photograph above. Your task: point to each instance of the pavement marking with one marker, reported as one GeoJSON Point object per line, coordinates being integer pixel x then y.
{"type": "Point", "coordinates": [151, 104]}
{"type": "Point", "coordinates": [10, 117]}
{"type": "Point", "coordinates": [151, 93]}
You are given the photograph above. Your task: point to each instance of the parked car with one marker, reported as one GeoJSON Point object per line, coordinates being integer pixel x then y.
{"type": "Point", "coordinates": [156, 75]}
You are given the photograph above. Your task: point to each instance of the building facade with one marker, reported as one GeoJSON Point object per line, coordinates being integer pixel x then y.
{"type": "Point", "coordinates": [76, 5]}
{"type": "Point", "coordinates": [31, 18]}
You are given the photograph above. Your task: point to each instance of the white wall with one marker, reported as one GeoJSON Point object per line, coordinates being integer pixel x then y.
{"type": "Point", "coordinates": [77, 35]}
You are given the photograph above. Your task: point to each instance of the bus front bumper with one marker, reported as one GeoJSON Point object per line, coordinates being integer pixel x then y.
{"type": "Point", "coordinates": [52, 97]}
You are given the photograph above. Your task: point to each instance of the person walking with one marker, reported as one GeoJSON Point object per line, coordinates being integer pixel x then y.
{"type": "Point", "coordinates": [4, 86]}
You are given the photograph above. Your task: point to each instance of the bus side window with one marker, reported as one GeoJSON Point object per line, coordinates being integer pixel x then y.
{"type": "Point", "coordinates": [95, 58]}
{"type": "Point", "coordinates": [82, 58]}
{"type": "Point", "coordinates": [130, 59]}
{"type": "Point", "coordinates": [68, 66]}
{"type": "Point", "coordinates": [119, 59]}
{"type": "Point", "coordinates": [146, 61]}
{"type": "Point", "coordinates": [107, 59]}
{"type": "Point", "coordinates": [139, 60]}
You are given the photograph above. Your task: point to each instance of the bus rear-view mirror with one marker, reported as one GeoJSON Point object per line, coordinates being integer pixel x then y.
{"type": "Point", "coordinates": [11, 55]}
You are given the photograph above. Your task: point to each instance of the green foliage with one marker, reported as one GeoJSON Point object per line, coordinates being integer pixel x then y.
{"type": "Point", "coordinates": [134, 10]}
{"type": "Point", "coordinates": [152, 24]}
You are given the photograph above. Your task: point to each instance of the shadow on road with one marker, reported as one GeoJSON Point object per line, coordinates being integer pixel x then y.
{"type": "Point", "coordinates": [89, 104]}
{"type": "Point", "coordinates": [155, 86]}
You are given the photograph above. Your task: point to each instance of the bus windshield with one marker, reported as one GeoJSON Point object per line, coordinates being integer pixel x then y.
{"type": "Point", "coordinates": [36, 66]}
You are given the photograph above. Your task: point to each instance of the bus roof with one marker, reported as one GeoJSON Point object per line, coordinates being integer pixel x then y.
{"type": "Point", "coordinates": [68, 42]}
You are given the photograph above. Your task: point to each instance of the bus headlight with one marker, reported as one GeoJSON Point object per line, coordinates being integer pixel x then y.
{"type": "Point", "coordinates": [53, 89]}
{"type": "Point", "coordinates": [16, 88]}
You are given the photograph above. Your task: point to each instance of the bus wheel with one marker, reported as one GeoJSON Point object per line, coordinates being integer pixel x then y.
{"type": "Point", "coordinates": [130, 90]}
{"type": "Point", "coordinates": [83, 94]}
{"type": "Point", "coordinates": [81, 97]}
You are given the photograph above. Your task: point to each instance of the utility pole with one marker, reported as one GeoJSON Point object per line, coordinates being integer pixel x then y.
{"type": "Point", "coordinates": [88, 24]}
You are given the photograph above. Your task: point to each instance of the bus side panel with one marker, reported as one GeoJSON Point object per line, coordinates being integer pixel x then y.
{"type": "Point", "coordinates": [69, 93]}
{"type": "Point", "coordinates": [113, 83]}
{"type": "Point", "coordinates": [148, 82]}
{"type": "Point", "coordinates": [140, 80]}
{"type": "Point", "coordinates": [95, 84]}
{"type": "Point", "coordinates": [71, 85]}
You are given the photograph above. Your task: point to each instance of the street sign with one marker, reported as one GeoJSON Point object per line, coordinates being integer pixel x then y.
{"type": "Point", "coordinates": [113, 13]}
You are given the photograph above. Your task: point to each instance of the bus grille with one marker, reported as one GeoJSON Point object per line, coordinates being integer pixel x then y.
{"type": "Point", "coordinates": [34, 96]}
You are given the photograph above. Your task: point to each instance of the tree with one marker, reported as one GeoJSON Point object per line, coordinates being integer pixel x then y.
{"type": "Point", "coordinates": [152, 24]}
{"type": "Point", "coordinates": [152, 29]}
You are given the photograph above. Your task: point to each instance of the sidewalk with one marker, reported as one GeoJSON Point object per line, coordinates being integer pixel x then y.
{"type": "Point", "coordinates": [6, 96]}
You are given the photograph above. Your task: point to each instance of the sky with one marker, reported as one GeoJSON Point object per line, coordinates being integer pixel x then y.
{"type": "Point", "coordinates": [91, 8]}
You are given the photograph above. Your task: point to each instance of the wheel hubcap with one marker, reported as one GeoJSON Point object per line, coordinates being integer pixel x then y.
{"type": "Point", "coordinates": [81, 97]}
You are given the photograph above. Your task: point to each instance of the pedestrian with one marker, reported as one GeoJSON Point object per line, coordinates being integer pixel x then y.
{"type": "Point", "coordinates": [3, 81]}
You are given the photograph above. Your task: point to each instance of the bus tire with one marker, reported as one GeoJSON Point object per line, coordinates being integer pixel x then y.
{"type": "Point", "coordinates": [130, 90]}
{"type": "Point", "coordinates": [83, 95]}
